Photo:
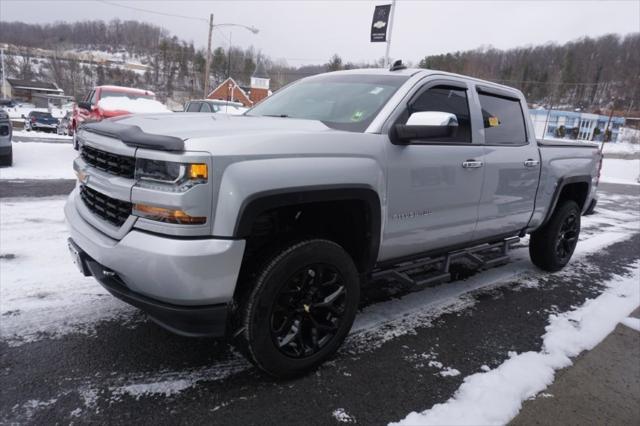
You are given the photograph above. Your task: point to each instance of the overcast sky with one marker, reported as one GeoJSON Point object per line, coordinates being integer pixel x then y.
{"type": "Point", "coordinates": [311, 31]}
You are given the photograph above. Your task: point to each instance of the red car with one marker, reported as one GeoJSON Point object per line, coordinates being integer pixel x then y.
{"type": "Point", "coordinates": [89, 109]}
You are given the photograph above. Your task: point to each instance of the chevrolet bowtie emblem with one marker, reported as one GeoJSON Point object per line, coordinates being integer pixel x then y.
{"type": "Point", "coordinates": [82, 176]}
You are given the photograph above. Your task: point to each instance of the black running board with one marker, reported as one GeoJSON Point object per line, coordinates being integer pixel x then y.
{"type": "Point", "coordinates": [412, 273]}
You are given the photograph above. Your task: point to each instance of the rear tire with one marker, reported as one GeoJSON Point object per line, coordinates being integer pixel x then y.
{"type": "Point", "coordinates": [300, 308]}
{"type": "Point", "coordinates": [552, 246]}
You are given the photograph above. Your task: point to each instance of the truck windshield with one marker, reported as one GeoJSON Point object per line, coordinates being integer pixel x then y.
{"type": "Point", "coordinates": [345, 102]}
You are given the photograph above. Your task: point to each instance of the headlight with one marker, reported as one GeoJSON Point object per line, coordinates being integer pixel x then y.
{"type": "Point", "coordinates": [169, 175]}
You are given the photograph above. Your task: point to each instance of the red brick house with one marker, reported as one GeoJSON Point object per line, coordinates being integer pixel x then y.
{"type": "Point", "coordinates": [230, 90]}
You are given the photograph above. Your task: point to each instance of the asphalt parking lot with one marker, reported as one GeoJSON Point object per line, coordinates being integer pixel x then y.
{"type": "Point", "coordinates": [408, 351]}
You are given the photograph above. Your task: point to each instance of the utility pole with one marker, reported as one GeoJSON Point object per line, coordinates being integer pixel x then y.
{"type": "Point", "coordinates": [546, 122]}
{"type": "Point", "coordinates": [387, 62]}
{"type": "Point", "coordinates": [229, 59]}
{"type": "Point", "coordinates": [4, 77]}
{"type": "Point", "coordinates": [606, 128]}
{"type": "Point", "coordinates": [208, 62]}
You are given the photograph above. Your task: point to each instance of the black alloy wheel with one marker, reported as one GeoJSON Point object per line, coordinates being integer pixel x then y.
{"type": "Point", "coordinates": [308, 310]}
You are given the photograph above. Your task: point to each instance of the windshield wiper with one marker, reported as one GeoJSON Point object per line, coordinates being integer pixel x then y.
{"type": "Point", "coordinates": [276, 115]}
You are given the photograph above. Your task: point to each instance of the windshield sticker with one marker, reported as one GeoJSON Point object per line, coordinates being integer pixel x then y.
{"type": "Point", "coordinates": [357, 116]}
{"type": "Point", "coordinates": [494, 122]}
{"type": "Point", "coordinates": [377, 90]}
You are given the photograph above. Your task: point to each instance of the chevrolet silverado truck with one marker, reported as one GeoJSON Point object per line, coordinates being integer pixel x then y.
{"type": "Point", "coordinates": [263, 227]}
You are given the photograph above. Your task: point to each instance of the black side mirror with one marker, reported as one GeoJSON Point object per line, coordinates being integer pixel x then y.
{"type": "Point", "coordinates": [85, 105]}
{"type": "Point", "coordinates": [425, 125]}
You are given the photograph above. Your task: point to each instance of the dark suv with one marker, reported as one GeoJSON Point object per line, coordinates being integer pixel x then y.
{"type": "Point", "coordinates": [38, 120]}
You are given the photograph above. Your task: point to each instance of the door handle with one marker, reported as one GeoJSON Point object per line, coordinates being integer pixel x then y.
{"type": "Point", "coordinates": [472, 164]}
{"type": "Point", "coordinates": [531, 163]}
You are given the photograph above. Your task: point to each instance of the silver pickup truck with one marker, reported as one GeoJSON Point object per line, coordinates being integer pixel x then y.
{"type": "Point", "coordinates": [263, 227]}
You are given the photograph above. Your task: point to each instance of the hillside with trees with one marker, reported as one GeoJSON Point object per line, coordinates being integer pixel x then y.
{"type": "Point", "coordinates": [586, 73]}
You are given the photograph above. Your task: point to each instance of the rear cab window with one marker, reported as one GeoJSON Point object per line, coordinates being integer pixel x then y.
{"type": "Point", "coordinates": [193, 107]}
{"type": "Point", "coordinates": [503, 120]}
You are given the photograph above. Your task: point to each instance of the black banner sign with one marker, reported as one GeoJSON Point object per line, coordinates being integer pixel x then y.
{"type": "Point", "coordinates": [380, 23]}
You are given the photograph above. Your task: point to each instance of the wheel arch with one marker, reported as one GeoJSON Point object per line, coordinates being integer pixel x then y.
{"type": "Point", "coordinates": [263, 202]}
{"type": "Point", "coordinates": [576, 188]}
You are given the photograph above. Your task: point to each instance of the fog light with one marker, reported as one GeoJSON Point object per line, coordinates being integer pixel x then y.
{"type": "Point", "coordinates": [161, 214]}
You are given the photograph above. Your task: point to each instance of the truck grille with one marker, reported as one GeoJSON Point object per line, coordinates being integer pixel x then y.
{"type": "Point", "coordinates": [114, 164]}
{"type": "Point", "coordinates": [107, 208]}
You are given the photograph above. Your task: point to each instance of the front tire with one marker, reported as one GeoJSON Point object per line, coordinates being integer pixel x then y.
{"type": "Point", "coordinates": [300, 308]}
{"type": "Point", "coordinates": [552, 246]}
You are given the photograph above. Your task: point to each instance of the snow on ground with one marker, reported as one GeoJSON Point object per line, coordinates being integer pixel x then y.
{"type": "Point", "coordinates": [632, 322]}
{"type": "Point", "coordinates": [495, 397]}
{"type": "Point", "coordinates": [341, 416]}
{"type": "Point", "coordinates": [620, 171]}
{"type": "Point", "coordinates": [621, 148]}
{"type": "Point", "coordinates": [41, 135]}
{"type": "Point", "coordinates": [32, 283]}
{"type": "Point", "coordinates": [134, 106]}
{"type": "Point", "coordinates": [41, 291]}
{"type": "Point", "coordinates": [36, 160]}
{"type": "Point", "coordinates": [42, 295]}
{"type": "Point", "coordinates": [630, 135]}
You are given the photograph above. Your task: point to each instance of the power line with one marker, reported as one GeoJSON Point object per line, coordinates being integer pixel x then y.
{"type": "Point", "coordinates": [139, 9]}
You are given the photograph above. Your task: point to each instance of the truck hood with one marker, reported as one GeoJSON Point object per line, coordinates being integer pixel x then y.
{"type": "Point", "coordinates": [186, 126]}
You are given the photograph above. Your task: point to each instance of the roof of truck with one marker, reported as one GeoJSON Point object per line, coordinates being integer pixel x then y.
{"type": "Point", "coordinates": [409, 72]}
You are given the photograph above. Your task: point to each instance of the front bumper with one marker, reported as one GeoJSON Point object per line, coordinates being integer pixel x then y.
{"type": "Point", "coordinates": [184, 284]}
{"type": "Point", "coordinates": [44, 126]}
{"type": "Point", "coordinates": [5, 150]}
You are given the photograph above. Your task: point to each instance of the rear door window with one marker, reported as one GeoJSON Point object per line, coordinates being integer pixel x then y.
{"type": "Point", "coordinates": [503, 120]}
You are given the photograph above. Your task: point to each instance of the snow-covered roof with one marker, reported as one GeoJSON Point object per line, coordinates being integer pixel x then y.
{"type": "Point", "coordinates": [126, 89]}
{"type": "Point", "coordinates": [34, 85]}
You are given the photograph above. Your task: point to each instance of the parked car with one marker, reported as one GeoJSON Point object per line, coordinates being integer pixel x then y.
{"type": "Point", "coordinates": [65, 124]}
{"type": "Point", "coordinates": [89, 111]}
{"type": "Point", "coordinates": [215, 106]}
{"type": "Point", "coordinates": [8, 103]}
{"type": "Point", "coordinates": [6, 151]}
{"type": "Point", "coordinates": [263, 227]}
{"type": "Point", "coordinates": [41, 121]}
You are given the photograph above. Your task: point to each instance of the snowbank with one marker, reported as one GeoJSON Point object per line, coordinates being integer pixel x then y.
{"type": "Point", "coordinates": [134, 106]}
{"type": "Point", "coordinates": [629, 135]}
{"type": "Point", "coordinates": [37, 160]}
{"type": "Point", "coordinates": [621, 148]}
{"type": "Point", "coordinates": [495, 397]}
{"type": "Point", "coordinates": [620, 171]}
{"type": "Point", "coordinates": [41, 135]}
